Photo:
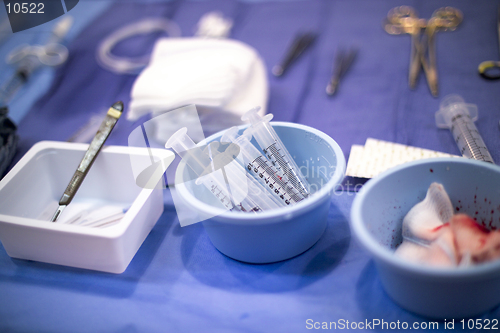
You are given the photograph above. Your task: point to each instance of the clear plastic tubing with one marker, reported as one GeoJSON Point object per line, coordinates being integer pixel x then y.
{"type": "Point", "coordinates": [258, 165]}
{"type": "Point", "coordinates": [274, 149]}
{"type": "Point", "coordinates": [459, 118]}
{"type": "Point", "coordinates": [228, 188]}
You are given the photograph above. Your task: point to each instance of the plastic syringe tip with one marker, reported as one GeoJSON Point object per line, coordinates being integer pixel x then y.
{"type": "Point", "coordinates": [451, 100]}
{"type": "Point", "coordinates": [450, 107]}
{"type": "Point", "coordinates": [252, 115]}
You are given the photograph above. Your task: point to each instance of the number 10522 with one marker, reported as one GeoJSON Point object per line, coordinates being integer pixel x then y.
{"type": "Point", "coordinates": [25, 8]}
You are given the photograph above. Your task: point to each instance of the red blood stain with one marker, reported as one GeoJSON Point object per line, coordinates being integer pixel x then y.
{"type": "Point", "coordinates": [431, 170]}
{"type": "Point", "coordinates": [441, 226]}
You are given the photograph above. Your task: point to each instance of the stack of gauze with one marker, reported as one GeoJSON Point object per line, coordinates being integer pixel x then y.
{"type": "Point", "coordinates": [222, 77]}
{"type": "Point", "coordinates": [433, 235]}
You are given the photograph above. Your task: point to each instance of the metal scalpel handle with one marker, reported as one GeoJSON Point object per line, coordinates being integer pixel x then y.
{"type": "Point", "coordinates": [107, 125]}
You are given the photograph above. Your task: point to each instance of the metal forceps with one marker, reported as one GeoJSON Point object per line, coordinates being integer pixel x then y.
{"type": "Point", "coordinates": [403, 19]}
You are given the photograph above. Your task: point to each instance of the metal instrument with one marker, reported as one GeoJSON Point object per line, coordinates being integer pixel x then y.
{"type": "Point", "coordinates": [301, 42]}
{"type": "Point", "coordinates": [490, 70]}
{"type": "Point", "coordinates": [404, 20]}
{"type": "Point", "coordinates": [114, 113]}
{"type": "Point", "coordinates": [341, 64]}
{"type": "Point", "coordinates": [27, 58]}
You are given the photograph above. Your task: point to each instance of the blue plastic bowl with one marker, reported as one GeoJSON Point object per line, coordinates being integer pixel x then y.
{"type": "Point", "coordinates": [285, 232]}
{"type": "Point", "coordinates": [377, 214]}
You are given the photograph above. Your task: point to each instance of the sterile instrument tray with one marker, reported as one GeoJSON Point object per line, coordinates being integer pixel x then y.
{"type": "Point", "coordinates": [40, 177]}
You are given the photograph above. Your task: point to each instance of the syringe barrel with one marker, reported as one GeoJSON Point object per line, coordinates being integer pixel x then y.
{"type": "Point", "coordinates": [260, 128]}
{"type": "Point", "coordinates": [273, 147]}
{"type": "Point", "coordinates": [247, 149]}
{"type": "Point", "coordinates": [469, 141]}
{"type": "Point", "coordinates": [245, 190]}
{"type": "Point", "coordinates": [459, 117]}
{"type": "Point", "coordinates": [218, 187]}
{"type": "Point", "coordinates": [265, 173]}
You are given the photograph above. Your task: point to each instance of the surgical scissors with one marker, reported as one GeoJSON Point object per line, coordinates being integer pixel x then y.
{"type": "Point", "coordinates": [403, 19]}
{"type": "Point", "coordinates": [490, 69]}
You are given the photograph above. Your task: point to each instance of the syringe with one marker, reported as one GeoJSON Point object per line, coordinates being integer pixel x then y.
{"type": "Point", "coordinates": [243, 187]}
{"type": "Point", "coordinates": [274, 149]}
{"type": "Point", "coordinates": [227, 186]}
{"type": "Point", "coordinates": [198, 161]}
{"type": "Point", "coordinates": [261, 168]}
{"type": "Point", "coordinates": [459, 117]}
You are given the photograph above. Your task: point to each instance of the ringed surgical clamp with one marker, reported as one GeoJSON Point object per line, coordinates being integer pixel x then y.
{"type": "Point", "coordinates": [403, 19]}
{"type": "Point", "coordinates": [490, 69]}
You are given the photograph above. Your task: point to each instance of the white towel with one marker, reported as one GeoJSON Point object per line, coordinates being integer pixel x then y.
{"type": "Point", "coordinates": [220, 74]}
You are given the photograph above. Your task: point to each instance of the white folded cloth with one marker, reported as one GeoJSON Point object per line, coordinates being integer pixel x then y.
{"type": "Point", "coordinates": [214, 74]}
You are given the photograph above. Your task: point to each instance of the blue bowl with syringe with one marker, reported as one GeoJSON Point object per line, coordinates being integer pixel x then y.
{"type": "Point", "coordinates": [264, 188]}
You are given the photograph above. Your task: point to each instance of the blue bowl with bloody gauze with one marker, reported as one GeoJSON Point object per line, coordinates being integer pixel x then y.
{"type": "Point", "coordinates": [377, 214]}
